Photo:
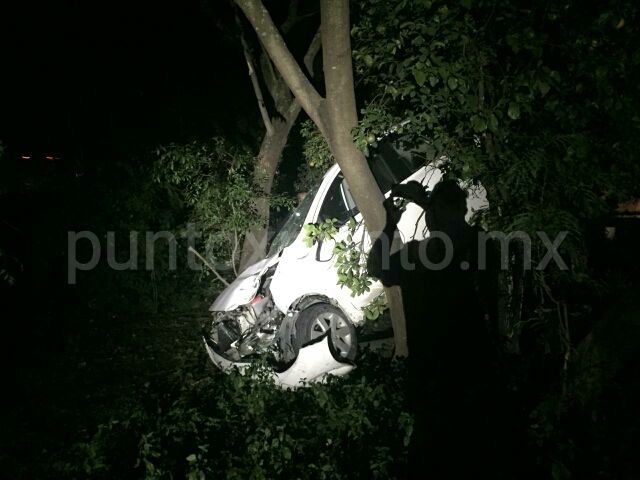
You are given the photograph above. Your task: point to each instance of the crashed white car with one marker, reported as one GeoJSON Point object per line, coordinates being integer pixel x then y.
{"type": "Point", "coordinates": [289, 304]}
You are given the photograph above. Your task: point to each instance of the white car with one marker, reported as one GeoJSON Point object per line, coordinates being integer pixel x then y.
{"type": "Point", "coordinates": [289, 304]}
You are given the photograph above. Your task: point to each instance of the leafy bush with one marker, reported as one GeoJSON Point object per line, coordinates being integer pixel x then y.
{"type": "Point", "coordinates": [130, 202]}
{"type": "Point", "coordinates": [244, 427]}
{"type": "Point", "coordinates": [318, 158]}
{"type": "Point", "coordinates": [215, 180]}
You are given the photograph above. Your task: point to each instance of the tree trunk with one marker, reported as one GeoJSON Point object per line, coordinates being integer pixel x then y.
{"type": "Point", "coordinates": [342, 118]}
{"type": "Point", "coordinates": [255, 242]}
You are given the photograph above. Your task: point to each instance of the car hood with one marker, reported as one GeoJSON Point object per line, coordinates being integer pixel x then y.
{"type": "Point", "coordinates": [244, 288]}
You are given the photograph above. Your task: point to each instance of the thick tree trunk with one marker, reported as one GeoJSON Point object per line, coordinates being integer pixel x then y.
{"type": "Point", "coordinates": [273, 144]}
{"type": "Point", "coordinates": [342, 118]}
{"type": "Point", "coordinates": [255, 242]}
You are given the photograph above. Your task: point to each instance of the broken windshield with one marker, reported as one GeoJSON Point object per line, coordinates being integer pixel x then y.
{"type": "Point", "coordinates": [292, 227]}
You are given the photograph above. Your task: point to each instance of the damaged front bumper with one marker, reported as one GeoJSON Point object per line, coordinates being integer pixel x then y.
{"type": "Point", "coordinates": [313, 363]}
{"type": "Point", "coordinates": [246, 324]}
{"type": "Point", "coordinates": [233, 339]}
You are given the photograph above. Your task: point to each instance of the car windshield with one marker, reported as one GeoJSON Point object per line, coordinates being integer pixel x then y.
{"type": "Point", "coordinates": [292, 227]}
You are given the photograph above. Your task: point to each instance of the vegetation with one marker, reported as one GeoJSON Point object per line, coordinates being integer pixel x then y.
{"type": "Point", "coordinates": [245, 427]}
{"type": "Point", "coordinates": [215, 180]}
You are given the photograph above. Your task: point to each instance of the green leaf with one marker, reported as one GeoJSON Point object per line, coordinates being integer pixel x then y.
{"type": "Point", "coordinates": [601, 71]}
{"type": "Point", "coordinates": [419, 76]}
{"type": "Point", "coordinates": [431, 153]}
{"type": "Point", "coordinates": [559, 471]}
{"type": "Point", "coordinates": [514, 110]}
{"type": "Point", "coordinates": [286, 453]}
{"type": "Point", "coordinates": [544, 88]}
{"type": "Point", "coordinates": [466, 3]}
{"type": "Point", "coordinates": [493, 123]}
{"type": "Point", "coordinates": [479, 125]}
{"type": "Point", "coordinates": [368, 60]}
{"type": "Point", "coordinates": [453, 83]}
{"type": "Point", "coordinates": [191, 458]}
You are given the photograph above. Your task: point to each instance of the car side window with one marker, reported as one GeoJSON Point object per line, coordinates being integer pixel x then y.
{"type": "Point", "coordinates": [338, 202]}
{"type": "Point", "coordinates": [401, 165]}
{"type": "Point", "coordinates": [391, 162]}
{"type": "Point", "coordinates": [381, 172]}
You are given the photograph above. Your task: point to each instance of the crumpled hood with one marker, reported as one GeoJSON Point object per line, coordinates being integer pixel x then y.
{"type": "Point", "coordinates": [243, 289]}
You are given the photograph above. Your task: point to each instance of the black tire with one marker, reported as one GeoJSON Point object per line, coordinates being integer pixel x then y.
{"type": "Point", "coordinates": [314, 322]}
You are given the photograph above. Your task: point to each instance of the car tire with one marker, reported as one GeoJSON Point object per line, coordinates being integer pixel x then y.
{"type": "Point", "coordinates": [314, 322]}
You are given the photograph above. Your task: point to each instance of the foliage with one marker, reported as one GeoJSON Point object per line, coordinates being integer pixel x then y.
{"type": "Point", "coordinates": [129, 203]}
{"type": "Point", "coordinates": [499, 89]}
{"type": "Point", "coordinates": [376, 308]}
{"type": "Point", "coordinates": [351, 262]}
{"type": "Point", "coordinates": [319, 232]}
{"type": "Point", "coordinates": [537, 102]}
{"type": "Point", "coordinates": [5, 274]}
{"type": "Point", "coordinates": [215, 179]}
{"type": "Point", "coordinates": [318, 158]}
{"type": "Point", "coordinates": [243, 426]}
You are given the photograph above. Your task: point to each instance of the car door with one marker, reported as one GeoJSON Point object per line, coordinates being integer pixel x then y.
{"type": "Point", "coordinates": [338, 204]}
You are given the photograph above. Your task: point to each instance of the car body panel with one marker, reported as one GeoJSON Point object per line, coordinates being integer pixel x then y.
{"type": "Point", "coordinates": [243, 289]}
{"type": "Point", "coordinates": [300, 274]}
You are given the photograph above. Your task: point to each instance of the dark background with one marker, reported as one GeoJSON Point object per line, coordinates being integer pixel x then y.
{"type": "Point", "coordinates": [119, 77]}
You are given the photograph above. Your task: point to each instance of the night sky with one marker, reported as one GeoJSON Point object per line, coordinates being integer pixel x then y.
{"type": "Point", "coordinates": [120, 77]}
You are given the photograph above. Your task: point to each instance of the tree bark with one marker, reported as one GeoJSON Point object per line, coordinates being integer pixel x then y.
{"type": "Point", "coordinates": [336, 116]}
{"type": "Point", "coordinates": [273, 144]}
{"type": "Point", "coordinates": [291, 72]}
{"type": "Point", "coordinates": [255, 242]}
{"type": "Point", "coordinates": [342, 119]}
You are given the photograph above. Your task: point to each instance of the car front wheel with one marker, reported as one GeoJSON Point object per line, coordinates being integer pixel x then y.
{"type": "Point", "coordinates": [317, 320]}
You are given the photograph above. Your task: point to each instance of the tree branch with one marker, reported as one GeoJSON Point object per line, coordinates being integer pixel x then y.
{"type": "Point", "coordinates": [233, 253]}
{"type": "Point", "coordinates": [292, 17]}
{"type": "Point", "coordinates": [314, 47]}
{"type": "Point", "coordinates": [291, 72]}
{"type": "Point", "coordinates": [312, 51]}
{"type": "Point", "coordinates": [276, 86]}
{"type": "Point", "coordinates": [254, 80]}
{"type": "Point", "coordinates": [215, 272]}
